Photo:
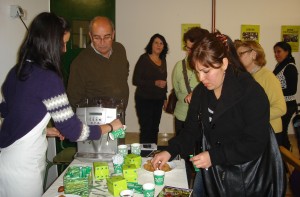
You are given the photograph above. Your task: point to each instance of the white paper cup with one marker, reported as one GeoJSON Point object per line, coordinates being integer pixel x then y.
{"type": "Point", "coordinates": [148, 190]}
{"type": "Point", "coordinates": [136, 148]}
{"type": "Point", "coordinates": [126, 193]}
{"type": "Point", "coordinates": [123, 150]}
{"type": "Point", "coordinates": [159, 177]}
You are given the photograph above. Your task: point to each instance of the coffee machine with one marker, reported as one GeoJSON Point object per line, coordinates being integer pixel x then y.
{"type": "Point", "coordinates": [98, 112]}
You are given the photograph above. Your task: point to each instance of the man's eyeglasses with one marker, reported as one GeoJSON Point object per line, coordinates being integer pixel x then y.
{"type": "Point", "coordinates": [243, 52]}
{"type": "Point", "coordinates": [105, 38]}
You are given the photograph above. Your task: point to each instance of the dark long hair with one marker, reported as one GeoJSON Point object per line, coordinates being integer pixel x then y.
{"type": "Point", "coordinates": [286, 47]}
{"type": "Point", "coordinates": [212, 49]}
{"type": "Point", "coordinates": [165, 50]}
{"type": "Point", "coordinates": [42, 45]}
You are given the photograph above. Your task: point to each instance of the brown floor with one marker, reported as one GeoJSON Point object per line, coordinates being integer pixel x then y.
{"type": "Point", "coordinates": [164, 137]}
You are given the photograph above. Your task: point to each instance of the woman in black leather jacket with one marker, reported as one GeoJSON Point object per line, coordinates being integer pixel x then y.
{"type": "Point", "coordinates": [230, 112]}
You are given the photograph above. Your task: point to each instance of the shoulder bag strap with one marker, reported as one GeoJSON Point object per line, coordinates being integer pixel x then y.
{"type": "Point", "coordinates": [185, 76]}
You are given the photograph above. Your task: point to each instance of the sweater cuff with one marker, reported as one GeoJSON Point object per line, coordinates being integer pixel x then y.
{"type": "Point", "coordinates": [95, 132]}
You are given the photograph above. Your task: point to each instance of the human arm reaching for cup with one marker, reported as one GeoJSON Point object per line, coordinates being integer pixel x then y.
{"type": "Point", "coordinates": [160, 159]}
{"type": "Point", "coordinates": [201, 160]}
{"type": "Point", "coordinates": [112, 126]}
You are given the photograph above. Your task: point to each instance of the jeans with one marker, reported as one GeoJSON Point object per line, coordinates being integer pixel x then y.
{"type": "Point", "coordinates": [198, 189]}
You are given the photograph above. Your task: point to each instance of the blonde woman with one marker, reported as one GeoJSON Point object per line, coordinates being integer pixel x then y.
{"type": "Point", "coordinates": [253, 59]}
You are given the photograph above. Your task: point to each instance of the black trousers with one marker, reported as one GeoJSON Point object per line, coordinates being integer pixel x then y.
{"type": "Point", "coordinates": [149, 114]}
{"type": "Point", "coordinates": [291, 109]}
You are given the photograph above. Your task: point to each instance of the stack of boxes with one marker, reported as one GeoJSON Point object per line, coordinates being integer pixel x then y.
{"type": "Point", "coordinates": [78, 180]}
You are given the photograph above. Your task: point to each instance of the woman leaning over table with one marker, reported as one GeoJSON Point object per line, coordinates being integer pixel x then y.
{"type": "Point", "coordinates": [150, 77]}
{"type": "Point", "coordinates": [230, 111]}
{"type": "Point", "coordinates": [252, 56]}
{"type": "Point", "coordinates": [33, 92]}
{"type": "Point", "coordinates": [287, 73]}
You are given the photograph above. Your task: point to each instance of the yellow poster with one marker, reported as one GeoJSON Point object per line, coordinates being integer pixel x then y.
{"type": "Point", "coordinates": [250, 32]}
{"type": "Point", "coordinates": [185, 28]}
{"type": "Point", "coordinates": [290, 34]}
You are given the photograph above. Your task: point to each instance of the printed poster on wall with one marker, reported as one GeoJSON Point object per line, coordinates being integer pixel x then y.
{"type": "Point", "coordinates": [290, 34]}
{"type": "Point", "coordinates": [250, 32]}
{"type": "Point", "coordinates": [185, 28]}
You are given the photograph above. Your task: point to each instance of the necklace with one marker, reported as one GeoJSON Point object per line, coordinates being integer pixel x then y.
{"type": "Point", "coordinates": [155, 59]}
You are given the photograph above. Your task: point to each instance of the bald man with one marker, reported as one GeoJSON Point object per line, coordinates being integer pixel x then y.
{"type": "Point", "coordinates": [101, 70]}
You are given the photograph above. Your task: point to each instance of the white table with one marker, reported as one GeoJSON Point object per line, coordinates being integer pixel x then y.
{"type": "Point", "coordinates": [176, 178]}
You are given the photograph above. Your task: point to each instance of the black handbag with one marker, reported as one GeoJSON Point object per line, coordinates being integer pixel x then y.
{"type": "Point", "coordinates": [264, 176]}
{"type": "Point", "coordinates": [172, 99]}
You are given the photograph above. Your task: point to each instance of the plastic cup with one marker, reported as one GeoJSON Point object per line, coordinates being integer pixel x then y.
{"type": "Point", "coordinates": [148, 190]}
{"type": "Point", "coordinates": [120, 133]}
{"type": "Point", "coordinates": [126, 193]}
{"type": "Point", "coordinates": [136, 148]}
{"type": "Point", "coordinates": [118, 168]}
{"type": "Point", "coordinates": [159, 177]}
{"type": "Point", "coordinates": [122, 150]}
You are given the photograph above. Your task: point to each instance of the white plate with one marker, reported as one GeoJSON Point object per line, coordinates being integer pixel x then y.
{"type": "Point", "coordinates": [67, 195]}
{"type": "Point", "coordinates": [171, 164]}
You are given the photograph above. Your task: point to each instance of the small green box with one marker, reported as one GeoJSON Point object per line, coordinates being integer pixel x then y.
{"type": "Point", "coordinates": [78, 180]}
{"type": "Point", "coordinates": [101, 170]}
{"type": "Point", "coordinates": [130, 173]}
{"type": "Point", "coordinates": [116, 184]}
{"type": "Point", "coordinates": [133, 159]}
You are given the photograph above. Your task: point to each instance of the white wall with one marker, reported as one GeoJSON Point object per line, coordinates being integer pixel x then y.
{"type": "Point", "coordinates": [12, 30]}
{"type": "Point", "coordinates": [138, 20]}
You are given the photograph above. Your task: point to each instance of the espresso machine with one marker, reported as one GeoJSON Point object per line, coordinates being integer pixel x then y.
{"type": "Point", "coordinates": [98, 112]}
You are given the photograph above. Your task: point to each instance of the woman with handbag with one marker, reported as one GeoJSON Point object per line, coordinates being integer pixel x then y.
{"type": "Point", "coordinates": [229, 112]}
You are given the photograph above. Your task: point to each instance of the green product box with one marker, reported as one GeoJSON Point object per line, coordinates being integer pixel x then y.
{"type": "Point", "coordinates": [133, 159]}
{"type": "Point", "coordinates": [130, 173]}
{"type": "Point", "coordinates": [116, 184]}
{"type": "Point", "coordinates": [101, 170]}
{"type": "Point", "coordinates": [78, 180]}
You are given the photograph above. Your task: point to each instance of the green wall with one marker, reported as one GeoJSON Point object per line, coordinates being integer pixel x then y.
{"type": "Point", "coordinates": [80, 10]}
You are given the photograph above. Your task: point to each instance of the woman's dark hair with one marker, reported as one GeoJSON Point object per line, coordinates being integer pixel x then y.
{"type": "Point", "coordinates": [212, 49]}
{"type": "Point", "coordinates": [43, 44]}
{"type": "Point", "coordinates": [286, 47]}
{"type": "Point", "coordinates": [194, 34]}
{"type": "Point", "coordinates": [165, 50]}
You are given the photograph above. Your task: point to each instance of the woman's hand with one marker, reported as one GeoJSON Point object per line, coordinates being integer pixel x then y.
{"type": "Point", "coordinates": [53, 132]}
{"type": "Point", "coordinates": [201, 160]}
{"type": "Point", "coordinates": [188, 98]}
{"type": "Point", "coordinates": [160, 83]}
{"type": "Point", "coordinates": [160, 159]}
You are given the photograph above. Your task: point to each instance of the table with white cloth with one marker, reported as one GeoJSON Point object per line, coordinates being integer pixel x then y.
{"type": "Point", "coordinates": [175, 178]}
